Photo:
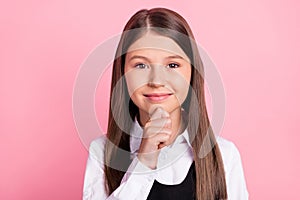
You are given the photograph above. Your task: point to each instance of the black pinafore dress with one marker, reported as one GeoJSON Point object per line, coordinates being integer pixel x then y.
{"type": "Point", "coordinates": [186, 190]}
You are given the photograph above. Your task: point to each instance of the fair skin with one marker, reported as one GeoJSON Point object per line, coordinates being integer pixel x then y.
{"type": "Point", "coordinates": [158, 74]}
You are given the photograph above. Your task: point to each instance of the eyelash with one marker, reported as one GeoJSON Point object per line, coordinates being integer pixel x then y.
{"type": "Point", "coordinates": [144, 65]}
{"type": "Point", "coordinates": [139, 64]}
{"type": "Point", "coordinates": [173, 64]}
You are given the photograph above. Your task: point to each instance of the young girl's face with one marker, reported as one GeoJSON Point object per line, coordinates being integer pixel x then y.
{"type": "Point", "coordinates": [157, 73]}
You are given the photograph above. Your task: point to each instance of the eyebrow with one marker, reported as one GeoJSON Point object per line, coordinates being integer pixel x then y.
{"type": "Point", "coordinates": [138, 57]}
{"type": "Point", "coordinates": [145, 58]}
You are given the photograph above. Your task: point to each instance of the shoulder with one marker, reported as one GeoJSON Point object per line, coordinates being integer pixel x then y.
{"type": "Point", "coordinates": [229, 151]}
{"type": "Point", "coordinates": [97, 146]}
{"type": "Point", "coordinates": [226, 146]}
{"type": "Point", "coordinates": [235, 179]}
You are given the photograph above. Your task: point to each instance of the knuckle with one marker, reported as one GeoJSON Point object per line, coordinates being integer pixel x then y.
{"type": "Point", "coordinates": [147, 124]}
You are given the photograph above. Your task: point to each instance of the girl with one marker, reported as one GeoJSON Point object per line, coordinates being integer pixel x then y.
{"type": "Point", "coordinates": [158, 123]}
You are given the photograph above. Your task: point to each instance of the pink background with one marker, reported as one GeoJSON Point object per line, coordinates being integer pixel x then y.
{"type": "Point", "coordinates": [254, 44]}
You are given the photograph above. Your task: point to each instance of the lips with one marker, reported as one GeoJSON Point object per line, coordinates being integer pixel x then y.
{"type": "Point", "coordinates": [157, 96]}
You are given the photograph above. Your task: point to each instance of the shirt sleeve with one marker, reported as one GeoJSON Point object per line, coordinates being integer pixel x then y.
{"type": "Point", "coordinates": [236, 184]}
{"type": "Point", "coordinates": [136, 183]}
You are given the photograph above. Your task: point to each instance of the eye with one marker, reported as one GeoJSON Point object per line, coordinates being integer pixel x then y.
{"type": "Point", "coordinates": [173, 65]}
{"type": "Point", "coordinates": [141, 66]}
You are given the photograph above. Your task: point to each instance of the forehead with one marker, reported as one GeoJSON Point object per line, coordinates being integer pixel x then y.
{"type": "Point", "coordinates": [157, 43]}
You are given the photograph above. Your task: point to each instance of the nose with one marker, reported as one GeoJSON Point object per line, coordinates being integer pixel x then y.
{"type": "Point", "coordinates": [156, 76]}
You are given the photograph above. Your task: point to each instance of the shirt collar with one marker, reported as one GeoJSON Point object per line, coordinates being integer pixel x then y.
{"type": "Point", "coordinates": [136, 134]}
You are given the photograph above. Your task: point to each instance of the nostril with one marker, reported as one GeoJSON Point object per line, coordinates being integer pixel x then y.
{"type": "Point", "coordinates": [153, 84]}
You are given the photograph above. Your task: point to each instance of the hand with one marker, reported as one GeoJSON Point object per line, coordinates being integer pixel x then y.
{"type": "Point", "coordinates": [157, 132]}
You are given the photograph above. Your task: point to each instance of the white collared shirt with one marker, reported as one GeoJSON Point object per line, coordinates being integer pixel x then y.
{"type": "Point", "coordinates": [173, 165]}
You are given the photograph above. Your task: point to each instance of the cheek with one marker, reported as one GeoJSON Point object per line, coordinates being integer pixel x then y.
{"type": "Point", "coordinates": [181, 85]}
{"type": "Point", "coordinates": [182, 88]}
{"type": "Point", "coordinates": [135, 80]}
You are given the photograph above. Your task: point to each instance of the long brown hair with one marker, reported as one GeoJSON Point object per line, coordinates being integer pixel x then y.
{"type": "Point", "coordinates": [210, 175]}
